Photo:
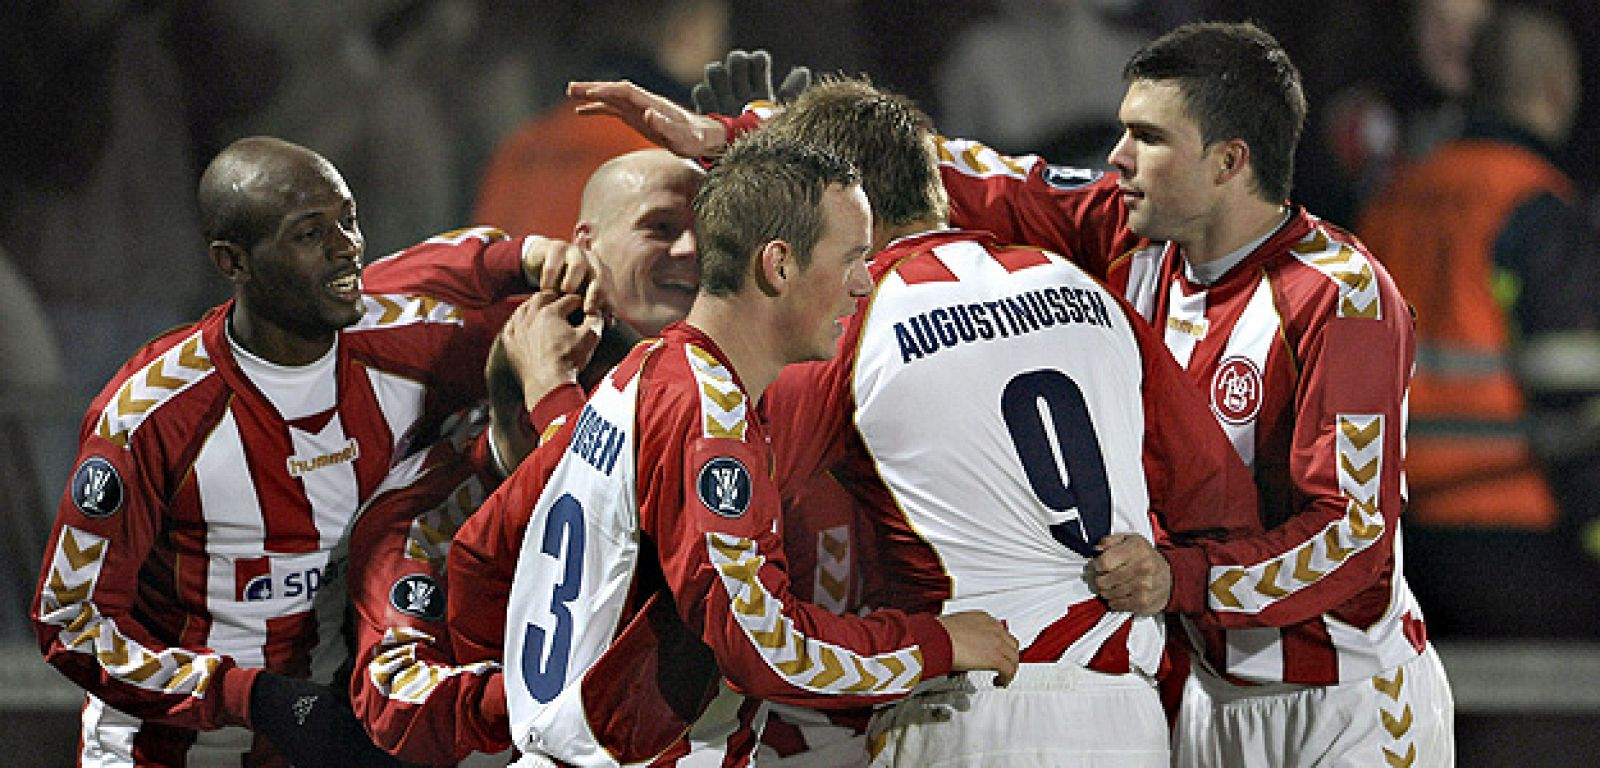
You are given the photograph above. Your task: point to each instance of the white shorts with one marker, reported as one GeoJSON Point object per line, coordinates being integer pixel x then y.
{"type": "Point", "coordinates": [1402, 717]}
{"type": "Point", "coordinates": [828, 744]}
{"type": "Point", "coordinates": [1050, 715]}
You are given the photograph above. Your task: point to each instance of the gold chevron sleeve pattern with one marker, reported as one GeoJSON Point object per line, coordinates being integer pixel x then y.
{"type": "Point", "coordinates": [1254, 588]}
{"type": "Point", "coordinates": [723, 405]}
{"type": "Point", "coordinates": [801, 661]}
{"type": "Point", "coordinates": [1347, 268]}
{"type": "Point", "coordinates": [398, 674]}
{"type": "Point", "coordinates": [429, 537]}
{"type": "Point", "coordinates": [74, 572]}
{"type": "Point", "coordinates": [152, 385]}
{"type": "Point", "coordinates": [388, 310]}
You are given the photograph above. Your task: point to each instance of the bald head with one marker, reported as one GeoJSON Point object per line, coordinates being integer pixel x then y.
{"type": "Point", "coordinates": [637, 222]}
{"type": "Point", "coordinates": [250, 184]}
{"type": "Point", "coordinates": [623, 176]}
{"type": "Point", "coordinates": [1525, 69]}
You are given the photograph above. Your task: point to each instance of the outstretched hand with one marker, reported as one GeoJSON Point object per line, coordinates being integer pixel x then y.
{"type": "Point", "coordinates": [653, 116]}
{"type": "Point", "coordinates": [743, 77]}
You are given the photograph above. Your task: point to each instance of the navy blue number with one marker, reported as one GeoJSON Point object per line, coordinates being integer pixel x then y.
{"type": "Point", "coordinates": [545, 673]}
{"type": "Point", "coordinates": [1085, 485]}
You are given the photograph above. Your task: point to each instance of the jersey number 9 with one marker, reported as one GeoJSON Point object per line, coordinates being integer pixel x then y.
{"type": "Point", "coordinates": [1029, 398]}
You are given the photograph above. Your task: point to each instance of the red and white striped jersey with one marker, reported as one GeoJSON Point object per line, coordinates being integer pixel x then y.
{"type": "Point", "coordinates": [406, 688]}
{"type": "Point", "coordinates": [645, 538]}
{"type": "Point", "coordinates": [1305, 348]}
{"type": "Point", "coordinates": [192, 546]}
{"type": "Point", "coordinates": [1008, 412]}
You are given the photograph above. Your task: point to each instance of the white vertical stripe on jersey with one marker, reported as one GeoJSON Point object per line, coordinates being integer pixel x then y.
{"type": "Point", "coordinates": [1185, 324]}
{"type": "Point", "coordinates": [401, 400]}
{"type": "Point", "coordinates": [1252, 339]}
{"type": "Point", "coordinates": [332, 490]}
{"type": "Point", "coordinates": [228, 498]}
{"type": "Point", "coordinates": [1144, 280]}
{"type": "Point", "coordinates": [234, 529]}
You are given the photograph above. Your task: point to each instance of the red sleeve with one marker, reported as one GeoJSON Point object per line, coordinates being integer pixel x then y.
{"type": "Point", "coordinates": [1199, 488]}
{"type": "Point", "coordinates": [714, 514]}
{"type": "Point", "coordinates": [461, 286]}
{"type": "Point", "coordinates": [808, 412]}
{"type": "Point", "coordinates": [483, 561]}
{"type": "Point", "coordinates": [82, 611]}
{"type": "Point", "coordinates": [1344, 469]}
{"type": "Point", "coordinates": [414, 699]}
{"type": "Point", "coordinates": [1076, 212]}
{"type": "Point", "coordinates": [555, 409]}
{"type": "Point", "coordinates": [470, 268]}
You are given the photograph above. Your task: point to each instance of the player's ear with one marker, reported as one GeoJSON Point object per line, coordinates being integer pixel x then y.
{"type": "Point", "coordinates": [774, 267]}
{"type": "Point", "coordinates": [232, 260]}
{"type": "Point", "coordinates": [583, 235]}
{"type": "Point", "coordinates": [1232, 156]}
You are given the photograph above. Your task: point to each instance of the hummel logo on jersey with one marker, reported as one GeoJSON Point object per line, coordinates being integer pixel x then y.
{"type": "Point", "coordinates": [418, 595]}
{"type": "Point", "coordinates": [350, 452]}
{"type": "Point", "coordinates": [97, 488]}
{"type": "Point", "coordinates": [724, 486]}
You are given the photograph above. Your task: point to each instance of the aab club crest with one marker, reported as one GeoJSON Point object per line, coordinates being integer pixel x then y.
{"type": "Point", "coordinates": [1236, 391]}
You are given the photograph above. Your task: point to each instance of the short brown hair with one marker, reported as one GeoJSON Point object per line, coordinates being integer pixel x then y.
{"type": "Point", "coordinates": [766, 187]}
{"type": "Point", "coordinates": [885, 134]}
{"type": "Point", "coordinates": [1237, 83]}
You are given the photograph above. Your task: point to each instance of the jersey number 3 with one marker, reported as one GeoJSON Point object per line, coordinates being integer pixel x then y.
{"type": "Point", "coordinates": [544, 671]}
{"type": "Point", "coordinates": [1028, 400]}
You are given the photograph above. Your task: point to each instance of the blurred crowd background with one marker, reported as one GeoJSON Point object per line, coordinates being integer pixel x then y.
{"type": "Point", "coordinates": [442, 113]}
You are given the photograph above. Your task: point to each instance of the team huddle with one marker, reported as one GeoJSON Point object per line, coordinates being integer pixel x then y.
{"type": "Point", "coordinates": [826, 441]}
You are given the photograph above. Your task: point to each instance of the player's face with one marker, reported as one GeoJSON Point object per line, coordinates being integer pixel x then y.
{"type": "Point", "coordinates": [305, 275]}
{"type": "Point", "coordinates": [1168, 183]}
{"type": "Point", "coordinates": [647, 247]}
{"type": "Point", "coordinates": [825, 291]}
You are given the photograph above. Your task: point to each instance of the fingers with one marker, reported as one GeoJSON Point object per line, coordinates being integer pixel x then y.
{"type": "Point", "coordinates": [568, 272]}
{"type": "Point", "coordinates": [794, 84]}
{"type": "Point", "coordinates": [755, 69]}
{"type": "Point", "coordinates": [704, 101]}
{"type": "Point", "coordinates": [1010, 658]}
{"type": "Point", "coordinates": [721, 85]}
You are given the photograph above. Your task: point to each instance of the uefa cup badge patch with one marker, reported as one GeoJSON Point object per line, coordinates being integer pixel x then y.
{"type": "Point", "coordinates": [97, 488]}
{"type": "Point", "coordinates": [724, 486]}
{"type": "Point", "coordinates": [418, 595]}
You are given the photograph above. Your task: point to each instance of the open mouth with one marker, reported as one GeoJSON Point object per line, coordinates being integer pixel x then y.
{"type": "Point", "coordinates": [346, 287]}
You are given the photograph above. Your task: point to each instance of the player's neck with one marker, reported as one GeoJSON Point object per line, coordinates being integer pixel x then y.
{"type": "Point", "coordinates": [274, 343]}
{"type": "Point", "coordinates": [745, 337]}
{"type": "Point", "coordinates": [884, 234]}
{"type": "Point", "coordinates": [1245, 221]}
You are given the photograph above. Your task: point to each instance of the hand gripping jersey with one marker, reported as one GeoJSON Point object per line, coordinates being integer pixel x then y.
{"type": "Point", "coordinates": [199, 523]}
{"type": "Point", "coordinates": [407, 688]}
{"type": "Point", "coordinates": [1305, 348]}
{"type": "Point", "coordinates": [1011, 408]}
{"type": "Point", "coordinates": [650, 583]}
